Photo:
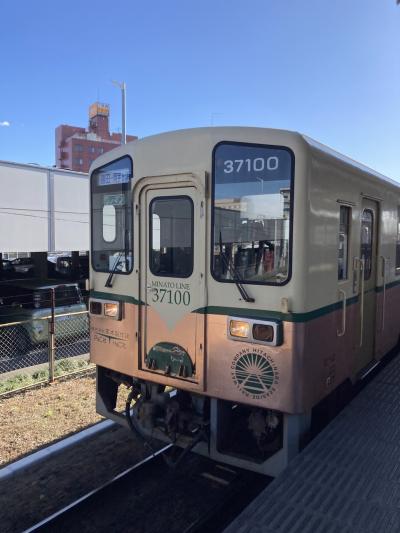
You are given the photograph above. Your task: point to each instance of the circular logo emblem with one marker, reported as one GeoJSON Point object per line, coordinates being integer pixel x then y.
{"type": "Point", "coordinates": [255, 373]}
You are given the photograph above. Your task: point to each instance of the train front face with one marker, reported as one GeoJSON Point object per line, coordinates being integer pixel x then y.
{"type": "Point", "coordinates": [191, 268]}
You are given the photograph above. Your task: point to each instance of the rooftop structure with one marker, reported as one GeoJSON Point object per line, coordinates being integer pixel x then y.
{"type": "Point", "coordinates": [77, 147]}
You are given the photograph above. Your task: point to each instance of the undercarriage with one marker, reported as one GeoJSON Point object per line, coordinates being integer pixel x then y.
{"type": "Point", "coordinates": [249, 437]}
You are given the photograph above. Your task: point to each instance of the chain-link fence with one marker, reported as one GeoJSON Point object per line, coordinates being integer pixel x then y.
{"type": "Point", "coordinates": [40, 350]}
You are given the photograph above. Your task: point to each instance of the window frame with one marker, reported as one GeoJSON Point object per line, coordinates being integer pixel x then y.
{"type": "Point", "coordinates": [130, 225]}
{"type": "Point", "coordinates": [174, 197]}
{"type": "Point", "coordinates": [371, 244]}
{"type": "Point", "coordinates": [349, 235]}
{"type": "Point", "coordinates": [291, 213]}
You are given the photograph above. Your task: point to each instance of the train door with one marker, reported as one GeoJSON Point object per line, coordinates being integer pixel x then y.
{"type": "Point", "coordinates": [172, 285]}
{"type": "Point", "coordinates": [368, 276]}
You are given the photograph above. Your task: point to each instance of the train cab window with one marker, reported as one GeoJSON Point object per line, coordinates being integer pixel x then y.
{"type": "Point", "coordinates": [252, 213]}
{"type": "Point", "coordinates": [171, 236]}
{"type": "Point", "coordinates": [112, 217]}
{"type": "Point", "coordinates": [398, 242]}
{"type": "Point", "coordinates": [343, 248]}
{"type": "Point", "coordinates": [367, 222]}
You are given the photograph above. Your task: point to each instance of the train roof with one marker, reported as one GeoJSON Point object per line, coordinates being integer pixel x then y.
{"type": "Point", "coordinates": [348, 160]}
{"type": "Point", "coordinates": [224, 132]}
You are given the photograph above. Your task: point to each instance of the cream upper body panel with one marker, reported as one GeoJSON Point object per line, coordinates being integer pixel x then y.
{"type": "Point", "coordinates": [333, 181]}
{"type": "Point", "coordinates": [172, 156]}
{"type": "Point", "coordinates": [322, 180]}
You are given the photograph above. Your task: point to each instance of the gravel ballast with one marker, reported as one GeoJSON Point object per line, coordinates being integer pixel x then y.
{"type": "Point", "coordinates": [35, 418]}
{"type": "Point", "coordinates": [46, 487]}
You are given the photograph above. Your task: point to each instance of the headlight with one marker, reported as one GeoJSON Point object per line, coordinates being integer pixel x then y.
{"type": "Point", "coordinates": [112, 310]}
{"type": "Point", "coordinates": [95, 307]}
{"type": "Point", "coordinates": [263, 332]}
{"type": "Point", "coordinates": [255, 331]}
{"type": "Point", "coordinates": [238, 328]}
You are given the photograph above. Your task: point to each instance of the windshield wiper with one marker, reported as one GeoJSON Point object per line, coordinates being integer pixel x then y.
{"type": "Point", "coordinates": [114, 269]}
{"type": "Point", "coordinates": [237, 278]}
{"type": "Point", "coordinates": [118, 260]}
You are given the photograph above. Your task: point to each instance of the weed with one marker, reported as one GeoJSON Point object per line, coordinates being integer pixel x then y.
{"type": "Point", "coordinates": [20, 381]}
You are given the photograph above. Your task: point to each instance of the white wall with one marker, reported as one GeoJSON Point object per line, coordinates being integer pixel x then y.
{"type": "Point", "coordinates": [71, 211]}
{"type": "Point", "coordinates": [43, 209]}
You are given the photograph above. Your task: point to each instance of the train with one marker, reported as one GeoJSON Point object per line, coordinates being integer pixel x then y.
{"type": "Point", "coordinates": [239, 277]}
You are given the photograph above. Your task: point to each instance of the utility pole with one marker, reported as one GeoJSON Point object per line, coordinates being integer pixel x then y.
{"type": "Point", "coordinates": [122, 86]}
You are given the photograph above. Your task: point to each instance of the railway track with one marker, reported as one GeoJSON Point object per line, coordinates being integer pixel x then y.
{"type": "Point", "coordinates": [149, 497]}
{"type": "Point", "coordinates": [199, 496]}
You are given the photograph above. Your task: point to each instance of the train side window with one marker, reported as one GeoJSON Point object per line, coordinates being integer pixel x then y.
{"type": "Point", "coordinates": [367, 224]}
{"type": "Point", "coordinates": [171, 236]}
{"type": "Point", "coordinates": [343, 245]}
{"type": "Point", "coordinates": [398, 242]}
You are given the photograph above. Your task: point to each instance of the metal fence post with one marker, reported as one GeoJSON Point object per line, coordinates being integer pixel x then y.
{"type": "Point", "coordinates": [52, 340]}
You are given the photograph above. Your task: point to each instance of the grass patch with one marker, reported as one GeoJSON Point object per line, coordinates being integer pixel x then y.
{"type": "Point", "coordinates": [20, 381]}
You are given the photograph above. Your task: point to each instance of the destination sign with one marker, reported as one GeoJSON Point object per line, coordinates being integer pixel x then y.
{"type": "Point", "coordinates": [114, 177]}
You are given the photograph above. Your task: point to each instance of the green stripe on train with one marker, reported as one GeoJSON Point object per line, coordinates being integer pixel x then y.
{"type": "Point", "coordinates": [239, 311]}
{"type": "Point", "coordinates": [115, 297]}
{"type": "Point", "coordinates": [264, 314]}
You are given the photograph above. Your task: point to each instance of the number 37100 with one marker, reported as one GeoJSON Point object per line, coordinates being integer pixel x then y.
{"type": "Point", "coordinates": [169, 296]}
{"type": "Point", "coordinates": [258, 164]}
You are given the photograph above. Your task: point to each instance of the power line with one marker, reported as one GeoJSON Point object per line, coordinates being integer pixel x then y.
{"type": "Point", "coordinates": [45, 210]}
{"type": "Point", "coordinates": [44, 218]}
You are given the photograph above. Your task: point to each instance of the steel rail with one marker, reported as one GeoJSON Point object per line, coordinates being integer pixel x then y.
{"type": "Point", "coordinates": [34, 458]}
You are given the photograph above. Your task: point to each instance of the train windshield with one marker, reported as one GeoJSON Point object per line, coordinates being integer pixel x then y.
{"type": "Point", "coordinates": [252, 213]}
{"type": "Point", "coordinates": [112, 217]}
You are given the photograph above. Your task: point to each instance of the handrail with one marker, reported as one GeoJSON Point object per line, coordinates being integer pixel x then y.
{"type": "Point", "coordinates": [362, 266]}
{"type": "Point", "coordinates": [37, 318]}
{"type": "Point", "coordinates": [343, 330]}
{"type": "Point", "coordinates": [384, 263]}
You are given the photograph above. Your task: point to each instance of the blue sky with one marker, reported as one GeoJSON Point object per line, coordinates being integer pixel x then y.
{"type": "Point", "coordinates": [330, 69]}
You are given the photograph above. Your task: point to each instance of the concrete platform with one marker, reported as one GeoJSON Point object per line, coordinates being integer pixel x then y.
{"type": "Point", "coordinates": [347, 480]}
